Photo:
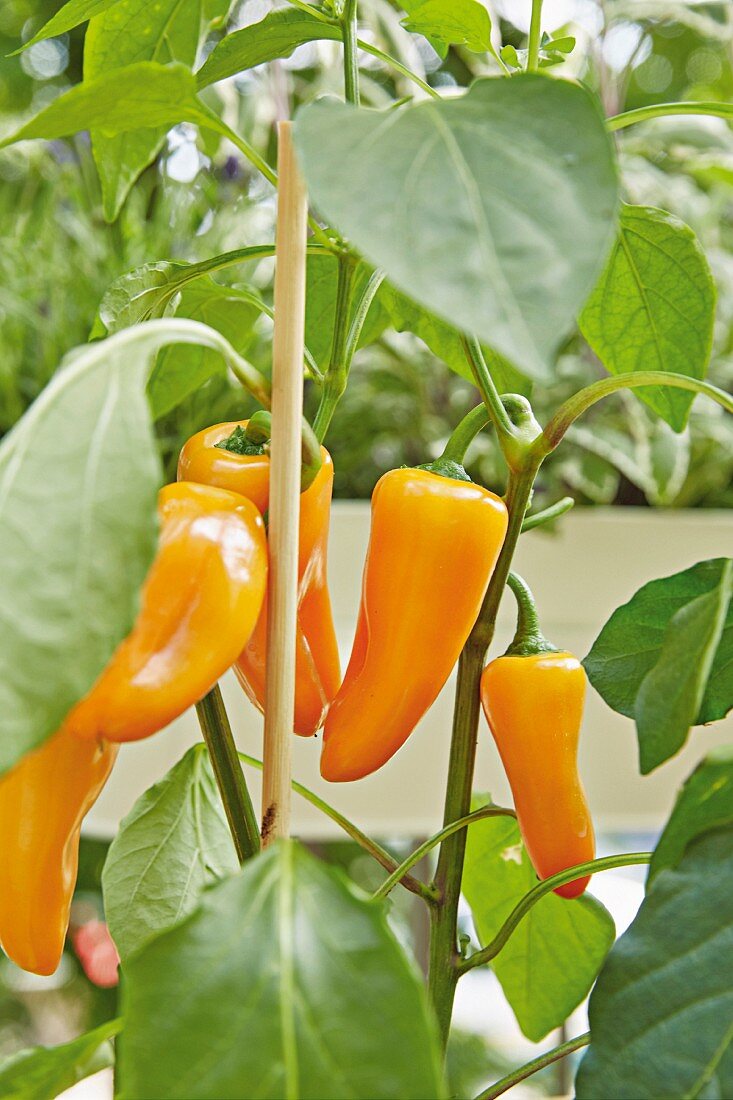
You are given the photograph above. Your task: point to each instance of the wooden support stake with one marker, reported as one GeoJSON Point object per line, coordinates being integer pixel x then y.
{"type": "Point", "coordinates": [284, 511]}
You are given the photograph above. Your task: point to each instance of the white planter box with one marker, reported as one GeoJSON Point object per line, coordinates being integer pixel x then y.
{"type": "Point", "coordinates": [596, 561]}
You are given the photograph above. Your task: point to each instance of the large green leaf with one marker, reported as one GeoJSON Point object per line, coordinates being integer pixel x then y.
{"type": "Point", "coordinates": [320, 306]}
{"type": "Point", "coordinates": [445, 341]}
{"type": "Point", "coordinates": [552, 958]}
{"type": "Point", "coordinates": [285, 982]}
{"type": "Point", "coordinates": [275, 36]}
{"type": "Point", "coordinates": [669, 647]}
{"type": "Point", "coordinates": [173, 843]}
{"type": "Point", "coordinates": [147, 292]}
{"type": "Point", "coordinates": [139, 96]}
{"type": "Point", "coordinates": [133, 31]}
{"type": "Point", "coordinates": [654, 306]}
{"type": "Point", "coordinates": [704, 803]}
{"type": "Point", "coordinates": [672, 692]}
{"type": "Point", "coordinates": [452, 22]}
{"type": "Point", "coordinates": [661, 1011]}
{"type": "Point", "coordinates": [41, 1073]}
{"type": "Point", "coordinates": [499, 237]}
{"type": "Point", "coordinates": [179, 372]}
{"type": "Point", "coordinates": [78, 481]}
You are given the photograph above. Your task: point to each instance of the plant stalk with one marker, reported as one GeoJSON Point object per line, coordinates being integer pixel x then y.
{"type": "Point", "coordinates": [533, 50]}
{"type": "Point", "coordinates": [521, 1074]}
{"type": "Point", "coordinates": [444, 957]}
{"type": "Point", "coordinates": [351, 59]}
{"type": "Point", "coordinates": [230, 780]}
{"type": "Point", "coordinates": [334, 382]}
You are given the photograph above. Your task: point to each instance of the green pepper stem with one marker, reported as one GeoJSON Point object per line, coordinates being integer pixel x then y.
{"type": "Point", "coordinates": [464, 434]}
{"type": "Point", "coordinates": [529, 639]}
{"type": "Point", "coordinates": [230, 780]}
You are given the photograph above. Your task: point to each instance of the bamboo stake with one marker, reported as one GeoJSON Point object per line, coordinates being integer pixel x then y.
{"type": "Point", "coordinates": [284, 510]}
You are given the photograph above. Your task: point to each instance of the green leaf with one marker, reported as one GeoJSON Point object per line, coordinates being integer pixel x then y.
{"type": "Point", "coordinates": [134, 31]}
{"type": "Point", "coordinates": [137, 97]}
{"type": "Point", "coordinates": [320, 306]}
{"type": "Point", "coordinates": [451, 206]}
{"type": "Point", "coordinates": [147, 291]}
{"type": "Point", "coordinates": [284, 982]}
{"type": "Point", "coordinates": [41, 1073]}
{"type": "Point", "coordinates": [672, 692]}
{"type": "Point", "coordinates": [181, 371]}
{"type": "Point", "coordinates": [661, 1011]}
{"type": "Point", "coordinates": [654, 307]}
{"type": "Point", "coordinates": [70, 15]}
{"type": "Point", "coordinates": [78, 480]}
{"type": "Point", "coordinates": [551, 960]}
{"type": "Point", "coordinates": [452, 22]}
{"type": "Point", "coordinates": [445, 342]}
{"type": "Point", "coordinates": [639, 636]}
{"type": "Point", "coordinates": [704, 803]}
{"type": "Point", "coordinates": [275, 36]}
{"type": "Point", "coordinates": [174, 842]}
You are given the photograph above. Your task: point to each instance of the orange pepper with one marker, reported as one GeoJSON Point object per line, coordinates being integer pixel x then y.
{"type": "Point", "coordinates": [433, 546]}
{"type": "Point", "coordinates": [42, 802]}
{"type": "Point", "coordinates": [534, 707]}
{"type": "Point", "coordinates": [317, 665]}
{"type": "Point", "coordinates": [199, 605]}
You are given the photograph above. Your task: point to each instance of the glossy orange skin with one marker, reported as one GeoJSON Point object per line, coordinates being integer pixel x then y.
{"type": "Point", "coordinates": [199, 605]}
{"type": "Point", "coordinates": [317, 664]}
{"type": "Point", "coordinates": [534, 707]}
{"type": "Point", "coordinates": [433, 546]}
{"type": "Point", "coordinates": [42, 802]}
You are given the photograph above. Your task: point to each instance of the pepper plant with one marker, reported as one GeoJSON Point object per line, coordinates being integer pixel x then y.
{"type": "Point", "coordinates": [490, 223]}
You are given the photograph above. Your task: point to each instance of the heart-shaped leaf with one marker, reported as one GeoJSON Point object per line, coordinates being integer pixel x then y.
{"type": "Point", "coordinates": [283, 982]}
{"type": "Point", "coordinates": [500, 237]}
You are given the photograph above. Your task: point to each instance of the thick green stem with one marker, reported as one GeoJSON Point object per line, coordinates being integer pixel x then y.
{"type": "Point", "coordinates": [444, 957]}
{"type": "Point", "coordinates": [351, 60]}
{"type": "Point", "coordinates": [217, 732]}
{"type": "Point", "coordinates": [533, 50]}
{"type": "Point", "coordinates": [570, 874]}
{"type": "Point", "coordinates": [521, 1074]}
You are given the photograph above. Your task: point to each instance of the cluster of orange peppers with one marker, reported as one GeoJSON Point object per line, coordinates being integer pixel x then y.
{"type": "Point", "coordinates": [434, 543]}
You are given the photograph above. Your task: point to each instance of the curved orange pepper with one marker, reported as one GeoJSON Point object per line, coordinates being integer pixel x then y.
{"type": "Point", "coordinates": [199, 605]}
{"type": "Point", "coordinates": [534, 707]}
{"type": "Point", "coordinates": [433, 546]}
{"type": "Point", "coordinates": [42, 802]}
{"type": "Point", "coordinates": [317, 664]}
